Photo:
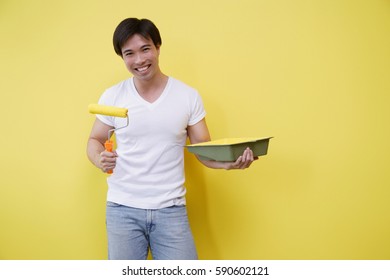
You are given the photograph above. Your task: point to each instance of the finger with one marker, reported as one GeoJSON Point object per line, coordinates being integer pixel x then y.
{"type": "Point", "coordinates": [251, 157]}
{"type": "Point", "coordinates": [108, 156]}
{"type": "Point", "coordinates": [248, 164]}
{"type": "Point", "coordinates": [108, 166]}
{"type": "Point", "coordinates": [238, 161]}
{"type": "Point", "coordinates": [246, 155]}
{"type": "Point", "coordinates": [243, 163]}
{"type": "Point", "coordinates": [247, 158]}
{"type": "Point", "coordinates": [107, 161]}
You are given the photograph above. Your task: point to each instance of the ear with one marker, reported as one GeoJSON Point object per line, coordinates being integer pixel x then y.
{"type": "Point", "coordinates": [158, 49]}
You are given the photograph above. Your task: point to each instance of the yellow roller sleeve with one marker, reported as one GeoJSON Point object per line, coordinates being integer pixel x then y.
{"type": "Point", "coordinates": [107, 110]}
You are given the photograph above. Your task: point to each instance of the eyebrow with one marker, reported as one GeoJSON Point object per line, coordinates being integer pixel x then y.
{"type": "Point", "coordinates": [143, 46]}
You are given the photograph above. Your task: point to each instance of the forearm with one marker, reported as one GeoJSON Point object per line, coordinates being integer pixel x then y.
{"type": "Point", "coordinates": [215, 164]}
{"type": "Point", "coordinates": [242, 162]}
{"type": "Point", "coordinates": [94, 149]}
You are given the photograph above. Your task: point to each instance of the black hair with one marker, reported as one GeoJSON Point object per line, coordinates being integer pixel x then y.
{"type": "Point", "coordinates": [131, 26]}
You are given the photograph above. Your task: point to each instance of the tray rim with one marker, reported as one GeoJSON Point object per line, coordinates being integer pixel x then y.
{"type": "Point", "coordinates": [253, 140]}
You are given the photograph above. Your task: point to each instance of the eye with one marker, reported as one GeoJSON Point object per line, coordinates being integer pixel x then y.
{"type": "Point", "coordinates": [128, 54]}
{"type": "Point", "coordinates": [146, 49]}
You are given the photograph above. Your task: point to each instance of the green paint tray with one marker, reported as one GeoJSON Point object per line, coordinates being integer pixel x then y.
{"type": "Point", "coordinates": [229, 149]}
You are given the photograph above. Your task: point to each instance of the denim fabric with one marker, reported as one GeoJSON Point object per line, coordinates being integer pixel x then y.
{"type": "Point", "coordinates": [132, 232]}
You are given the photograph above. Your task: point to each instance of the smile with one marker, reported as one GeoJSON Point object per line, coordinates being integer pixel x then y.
{"type": "Point", "coordinates": [142, 69]}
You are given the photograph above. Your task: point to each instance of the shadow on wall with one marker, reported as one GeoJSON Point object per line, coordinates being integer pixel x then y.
{"type": "Point", "coordinates": [197, 199]}
{"type": "Point", "coordinates": [198, 212]}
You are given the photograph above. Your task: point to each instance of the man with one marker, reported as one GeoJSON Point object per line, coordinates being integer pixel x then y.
{"type": "Point", "coordinates": [146, 196]}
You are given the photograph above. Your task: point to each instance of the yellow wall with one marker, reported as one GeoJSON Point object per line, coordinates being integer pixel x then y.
{"type": "Point", "coordinates": [314, 74]}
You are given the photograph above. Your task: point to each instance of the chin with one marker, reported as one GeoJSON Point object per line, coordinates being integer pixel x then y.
{"type": "Point", "coordinates": [146, 77]}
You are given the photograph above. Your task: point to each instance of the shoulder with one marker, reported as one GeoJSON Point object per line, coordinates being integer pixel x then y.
{"type": "Point", "coordinates": [119, 87]}
{"type": "Point", "coordinates": [115, 93]}
{"type": "Point", "coordinates": [183, 88]}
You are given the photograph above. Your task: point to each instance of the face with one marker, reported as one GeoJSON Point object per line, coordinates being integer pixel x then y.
{"type": "Point", "coordinates": [141, 57]}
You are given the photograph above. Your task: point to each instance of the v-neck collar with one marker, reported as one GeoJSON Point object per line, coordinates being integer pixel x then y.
{"type": "Point", "coordinates": [148, 104]}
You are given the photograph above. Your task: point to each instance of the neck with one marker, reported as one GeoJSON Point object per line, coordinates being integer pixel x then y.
{"type": "Point", "coordinates": [152, 88]}
{"type": "Point", "coordinates": [156, 81]}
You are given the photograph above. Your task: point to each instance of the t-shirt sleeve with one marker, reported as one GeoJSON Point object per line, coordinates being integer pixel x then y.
{"type": "Point", "coordinates": [197, 110]}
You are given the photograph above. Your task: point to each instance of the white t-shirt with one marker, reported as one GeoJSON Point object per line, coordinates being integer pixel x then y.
{"type": "Point", "coordinates": [149, 172]}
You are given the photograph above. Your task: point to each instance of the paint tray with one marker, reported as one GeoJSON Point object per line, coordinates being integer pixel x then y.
{"type": "Point", "coordinates": [229, 149]}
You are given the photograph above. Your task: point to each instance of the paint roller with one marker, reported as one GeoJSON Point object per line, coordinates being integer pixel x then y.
{"type": "Point", "coordinates": [109, 111]}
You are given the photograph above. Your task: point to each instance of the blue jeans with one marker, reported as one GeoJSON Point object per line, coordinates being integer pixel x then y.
{"type": "Point", "coordinates": [132, 232]}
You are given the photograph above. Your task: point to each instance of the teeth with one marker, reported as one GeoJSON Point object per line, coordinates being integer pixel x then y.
{"type": "Point", "coordinates": [143, 68]}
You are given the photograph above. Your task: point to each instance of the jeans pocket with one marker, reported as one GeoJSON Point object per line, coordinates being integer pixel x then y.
{"type": "Point", "coordinates": [112, 204]}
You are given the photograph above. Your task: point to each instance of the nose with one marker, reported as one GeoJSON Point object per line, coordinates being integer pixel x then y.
{"type": "Point", "coordinates": [139, 59]}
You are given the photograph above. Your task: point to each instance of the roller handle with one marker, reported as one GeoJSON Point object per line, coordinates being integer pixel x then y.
{"type": "Point", "coordinates": [108, 145]}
